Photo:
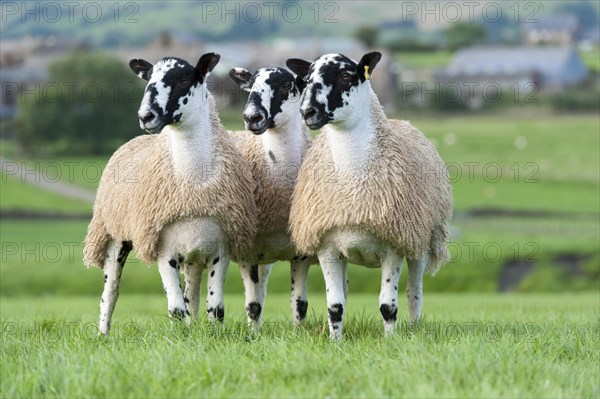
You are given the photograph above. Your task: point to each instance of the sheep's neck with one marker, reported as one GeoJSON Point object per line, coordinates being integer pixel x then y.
{"type": "Point", "coordinates": [286, 144]}
{"type": "Point", "coordinates": [351, 146]}
{"type": "Point", "coordinates": [192, 149]}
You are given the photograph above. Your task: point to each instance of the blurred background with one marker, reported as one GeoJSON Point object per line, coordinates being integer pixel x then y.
{"type": "Point", "coordinates": [509, 92]}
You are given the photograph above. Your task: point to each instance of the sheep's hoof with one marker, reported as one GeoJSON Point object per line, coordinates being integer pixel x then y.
{"type": "Point", "coordinates": [388, 329]}
{"type": "Point", "coordinates": [216, 314]}
{"type": "Point", "coordinates": [335, 332]}
{"type": "Point", "coordinates": [178, 314]}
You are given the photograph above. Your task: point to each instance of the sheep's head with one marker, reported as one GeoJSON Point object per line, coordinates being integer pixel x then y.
{"type": "Point", "coordinates": [274, 97]}
{"type": "Point", "coordinates": [337, 88]}
{"type": "Point", "coordinates": [175, 90]}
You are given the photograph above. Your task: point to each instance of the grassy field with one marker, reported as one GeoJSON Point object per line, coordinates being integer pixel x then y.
{"type": "Point", "coordinates": [17, 195]}
{"type": "Point", "coordinates": [39, 258]}
{"type": "Point", "coordinates": [424, 59]}
{"type": "Point", "coordinates": [474, 342]}
{"type": "Point", "coordinates": [544, 163]}
{"type": "Point", "coordinates": [468, 346]}
{"type": "Point", "coordinates": [553, 172]}
{"type": "Point", "coordinates": [441, 59]}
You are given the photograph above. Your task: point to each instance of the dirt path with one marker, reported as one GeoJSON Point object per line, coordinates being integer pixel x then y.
{"type": "Point", "coordinates": [17, 170]}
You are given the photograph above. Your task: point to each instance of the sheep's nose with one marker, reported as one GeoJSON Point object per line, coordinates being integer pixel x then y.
{"type": "Point", "coordinates": [254, 118]}
{"type": "Point", "coordinates": [308, 112]}
{"type": "Point", "coordinates": [146, 118]}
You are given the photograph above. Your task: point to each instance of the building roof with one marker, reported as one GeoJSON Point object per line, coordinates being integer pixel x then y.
{"type": "Point", "coordinates": [565, 22]}
{"type": "Point", "coordinates": [515, 60]}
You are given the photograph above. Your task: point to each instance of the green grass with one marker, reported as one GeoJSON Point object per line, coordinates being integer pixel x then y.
{"type": "Point", "coordinates": [557, 169]}
{"type": "Point", "coordinates": [469, 346]}
{"type": "Point", "coordinates": [441, 59]}
{"type": "Point", "coordinates": [424, 59]}
{"type": "Point", "coordinates": [591, 58]}
{"type": "Point", "coordinates": [84, 172]}
{"type": "Point", "coordinates": [17, 195]}
{"type": "Point", "coordinates": [41, 258]}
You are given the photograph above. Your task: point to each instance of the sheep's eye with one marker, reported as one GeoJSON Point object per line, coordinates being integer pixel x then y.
{"type": "Point", "coordinates": [184, 80]}
{"type": "Point", "coordinates": [287, 85]}
{"type": "Point", "coordinates": [346, 75]}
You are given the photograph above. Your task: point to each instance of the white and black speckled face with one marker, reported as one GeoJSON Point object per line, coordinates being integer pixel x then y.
{"type": "Point", "coordinates": [334, 85]}
{"type": "Point", "coordinates": [172, 84]}
{"type": "Point", "coordinates": [274, 97]}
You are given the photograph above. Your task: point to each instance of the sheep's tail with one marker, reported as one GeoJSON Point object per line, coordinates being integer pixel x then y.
{"type": "Point", "coordinates": [438, 249]}
{"type": "Point", "coordinates": [95, 244]}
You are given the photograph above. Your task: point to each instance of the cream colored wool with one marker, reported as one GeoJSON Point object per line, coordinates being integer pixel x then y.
{"type": "Point", "coordinates": [273, 185]}
{"type": "Point", "coordinates": [139, 195]}
{"type": "Point", "coordinates": [403, 198]}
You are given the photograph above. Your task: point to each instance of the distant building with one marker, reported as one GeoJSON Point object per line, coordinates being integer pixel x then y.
{"type": "Point", "coordinates": [481, 75]}
{"type": "Point", "coordinates": [546, 67]}
{"type": "Point", "coordinates": [560, 30]}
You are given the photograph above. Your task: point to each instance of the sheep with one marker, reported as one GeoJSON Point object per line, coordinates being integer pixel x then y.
{"type": "Point", "coordinates": [275, 153]}
{"type": "Point", "coordinates": [385, 194]}
{"type": "Point", "coordinates": [183, 197]}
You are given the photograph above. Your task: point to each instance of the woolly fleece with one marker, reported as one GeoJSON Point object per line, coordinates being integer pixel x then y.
{"type": "Point", "coordinates": [273, 195]}
{"type": "Point", "coordinates": [403, 197]}
{"type": "Point", "coordinates": [139, 195]}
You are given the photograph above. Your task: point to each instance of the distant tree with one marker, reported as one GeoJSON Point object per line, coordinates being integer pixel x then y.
{"type": "Point", "coordinates": [164, 39]}
{"type": "Point", "coordinates": [463, 34]}
{"type": "Point", "coordinates": [88, 106]}
{"type": "Point", "coordinates": [367, 35]}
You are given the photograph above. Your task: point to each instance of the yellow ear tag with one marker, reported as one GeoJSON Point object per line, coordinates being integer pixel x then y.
{"type": "Point", "coordinates": [367, 75]}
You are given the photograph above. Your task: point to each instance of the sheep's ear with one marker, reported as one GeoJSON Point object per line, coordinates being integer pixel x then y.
{"type": "Point", "coordinates": [299, 67]}
{"type": "Point", "coordinates": [367, 64]}
{"type": "Point", "coordinates": [140, 68]}
{"type": "Point", "coordinates": [300, 83]}
{"type": "Point", "coordinates": [206, 63]}
{"type": "Point", "coordinates": [242, 77]}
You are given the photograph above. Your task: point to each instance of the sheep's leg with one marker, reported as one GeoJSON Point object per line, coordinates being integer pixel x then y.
{"type": "Point", "coordinates": [116, 255]}
{"type": "Point", "coordinates": [255, 279]}
{"type": "Point", "coordinates": [332, 265]}
{"type": "Point", "coordinates": [414, 287]}
{"type": "Point", "coordinates": [299, 299]}
{"type": "Point", "coordinates": [168, 267]}
{"type": "Point", "coordinates": [191, 291]}
{"type": "Point", "coordinates": [391, 265]}
{"type": "Point", "coordinates": [217, 270]}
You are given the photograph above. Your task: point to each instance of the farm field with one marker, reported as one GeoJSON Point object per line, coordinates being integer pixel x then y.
{"type": "Point", "coordinates": [470, 345]}
{"type": "Point", "coordinates": [538, 207]}
{"type": "Point", "coordinates": [514, 312]}
{"type": "Point", "coordinates": [527, 197]}
{"type": "Point", "coordinates": [513, 163]}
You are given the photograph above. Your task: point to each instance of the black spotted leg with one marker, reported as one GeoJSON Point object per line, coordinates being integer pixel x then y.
{"type": "Point", "coordinates": [333, 266]}
{"type": "Point", "coordinates": [255, 278]}
{"type": "Point", "coordinates": [116, 255]}
{"type": "Point", "coordinates": [299, 300]}
{"type": "Point", "coordinates": [217, 270]}
{"type": "Point", "coordinates": [168, 267]}
{"type": "Point", "coordinates": [414, 286]}
{"type": "Point", "coordinates": [191, 289]}
{"type": "Point", "coordinates": [391, 265]}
